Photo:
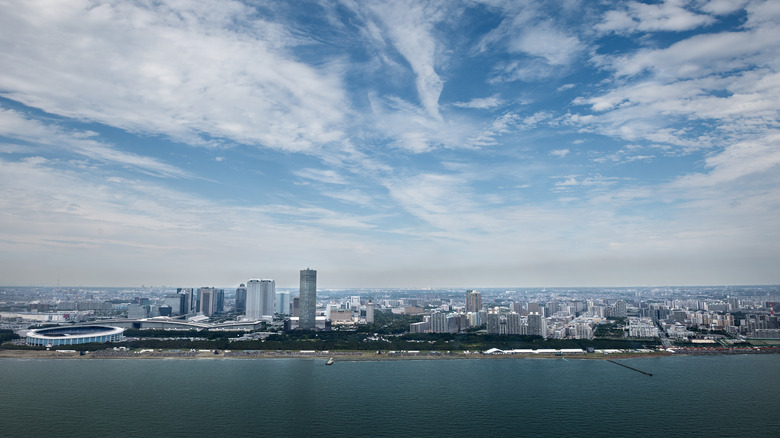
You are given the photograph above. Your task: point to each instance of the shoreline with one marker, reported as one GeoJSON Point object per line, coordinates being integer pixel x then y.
{"type": "Point", "coordinates": [345, 356]}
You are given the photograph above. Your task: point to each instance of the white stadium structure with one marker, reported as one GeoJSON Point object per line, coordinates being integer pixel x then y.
{"type": "Point", "coordinates": [73, 335]}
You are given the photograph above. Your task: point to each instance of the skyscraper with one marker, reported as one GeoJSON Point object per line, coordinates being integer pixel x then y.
{"type": "Point", "coordinates": [514, 324]}
{"type": "Point", "coordinates": [308, 299]}
{"type": "Point", "coordinates": [220, 304]}
{"type": "Point", "coordinates": [283, 303]}
{"type": "Point", "coordinates": [296, 307]}
{"type": "Point", "coordinates": [620, 309]}
{"type": "Point", "coordinates": [493, 323]}
{"type": "Point", "coordinates": [260, 297]}
{"type": "Point", "coordinates": [241, 299]}
{"type": "Point", "coordinates": [176, 302]}
{"type": "Point", "coordinates": [473, 301]}
{"type": "Point", "coordinates": [537, 325]}
{"type": "Point", "coordinates": [208, 301]}
{"type": "Point", "coordinates": [370, 312]}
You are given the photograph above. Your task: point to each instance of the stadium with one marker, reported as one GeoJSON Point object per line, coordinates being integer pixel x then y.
{"type": "Point", "coordinates": [73, 335]}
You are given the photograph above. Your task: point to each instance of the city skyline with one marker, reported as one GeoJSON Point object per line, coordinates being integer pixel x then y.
{"type": "Point", "coordinates": [431, 144]}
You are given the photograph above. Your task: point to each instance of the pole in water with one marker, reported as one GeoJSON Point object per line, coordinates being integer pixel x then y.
{"type": "Point", "coordinates": [630, 368]}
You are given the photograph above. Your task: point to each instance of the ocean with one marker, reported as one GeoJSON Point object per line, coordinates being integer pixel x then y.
{"type": "Point", "coordinates": [686, 396]}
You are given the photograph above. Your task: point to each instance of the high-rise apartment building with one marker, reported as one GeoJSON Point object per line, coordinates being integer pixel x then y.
{"type": "Point", "coordinates": [473, 301]}
{"type": "Point", "coordinates": [537, 325]}
{"type": "Point", "coordinates": [582, 330]}
{"type": "Point", "coordinates": [620, 309]}
{"type": "Point", "coordinates": [308, 299]}
{"type": "Point", "coordinates": [260, 297]}
{"type": "Point", "coordinates": [493, 324]}
{"type": "Point", "coordinates": [514, 324]}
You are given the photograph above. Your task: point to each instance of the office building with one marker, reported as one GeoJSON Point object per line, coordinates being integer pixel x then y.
{"type": "Point", "coordinates": [241, 299]}
{"type": "Point", "coordinates": [191, 299]}
{"type": "Point", "coordinates": [220, 306]}
{"type": "Point", "coordinates": [354, 302]}
{"type": "Point", "coordinates": [308, 299]}
{"type": "Point", "coordinates": [370, 312]}
{"type": "Point", "coordinates": [283, 303]}
{"type": "Point", "coordinates": [296, 307]}
{"type": "Point", "coordinates": [208, 301]}
{"type": "Point", "coordinates": [137, 311]}
{"type": "Point", "coordinates": [176, 303]}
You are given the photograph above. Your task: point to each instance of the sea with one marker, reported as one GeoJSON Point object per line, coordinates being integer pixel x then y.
{"type": "Point", "coordinates": [693, 396]}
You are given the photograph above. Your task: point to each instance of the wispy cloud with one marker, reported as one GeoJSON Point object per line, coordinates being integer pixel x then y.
{"type": "Point", "coordinates": [321, 175]}
{"type": "Point", "coordinates": [17, 126]}
{"type": "Point", "coordinates": [480, 103]}
{"type": "Point", "coordinates": [409, 27]}
{"type": "Point", "coordinates": [193, 72]}
{"type": "Point", "coordinates": [671, 15]}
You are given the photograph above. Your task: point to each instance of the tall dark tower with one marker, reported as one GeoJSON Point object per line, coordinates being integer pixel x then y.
{"type": "Point", "coordinates": [308, 300]}
{"type": "Point", "coordinates": [241, 299]}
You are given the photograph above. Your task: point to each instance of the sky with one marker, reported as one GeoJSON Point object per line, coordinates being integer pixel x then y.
{"type": "Point", "coordinates": [475, 143]}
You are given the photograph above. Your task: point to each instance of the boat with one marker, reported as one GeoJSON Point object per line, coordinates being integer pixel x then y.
{"type": "Point", "coordinates": [329, 362]}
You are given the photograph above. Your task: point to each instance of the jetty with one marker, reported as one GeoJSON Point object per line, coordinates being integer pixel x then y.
{"type": "Point", "coordinates": [630, 368]}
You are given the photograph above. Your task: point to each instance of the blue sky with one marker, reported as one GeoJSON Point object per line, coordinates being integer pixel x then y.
{"type": "Point", "coordinates": [390, 144]}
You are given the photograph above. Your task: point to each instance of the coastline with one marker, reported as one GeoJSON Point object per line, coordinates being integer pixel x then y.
{"type": "Point", "coordinates": [344, 356]}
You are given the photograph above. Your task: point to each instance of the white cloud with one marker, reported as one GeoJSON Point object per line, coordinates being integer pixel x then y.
{"type": "Point", "coordinates": [500, 125]}
{"type": "Point", "coordinates": [191, 71]}
{"type": "Point", "coordinates": [762, 13]}
{"type": "Point", "coordinates": [543, 40]}
{"type": "Point", "coordinates": [411, 129]}
{"type": "Point", "coordinates": [671, 15]}
{"type": "Point", "coordinates": [540, 47]}
{"type": "Point", "coordinates": [84, 231]}
{"type": "Point", "coordinates": [17, 126]}
{"type": "Point", "coordinates": [703, 54]}
{"type": "Point", "coordinates": [722, 7]}
{"type": "Point", "coordinates": [561, 153]}
{"type": "Point", "coordinates": [748, 158]}
{"type": "Point", "coordinates": [729, 80]}
{"type": "Point", "coordinates": [321, 175]}
{"type": "Point", "coordinates": [622, 156]}
{"type": "Point", "coordinates": [352, 196]}
{"type": "Point", "coordinates": [409, 27]}
{"type": "Point", "coordinates": [480, 103]}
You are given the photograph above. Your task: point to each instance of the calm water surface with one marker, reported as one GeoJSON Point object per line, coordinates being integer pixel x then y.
{"type": "Point", "coordinates": [687, 396]}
